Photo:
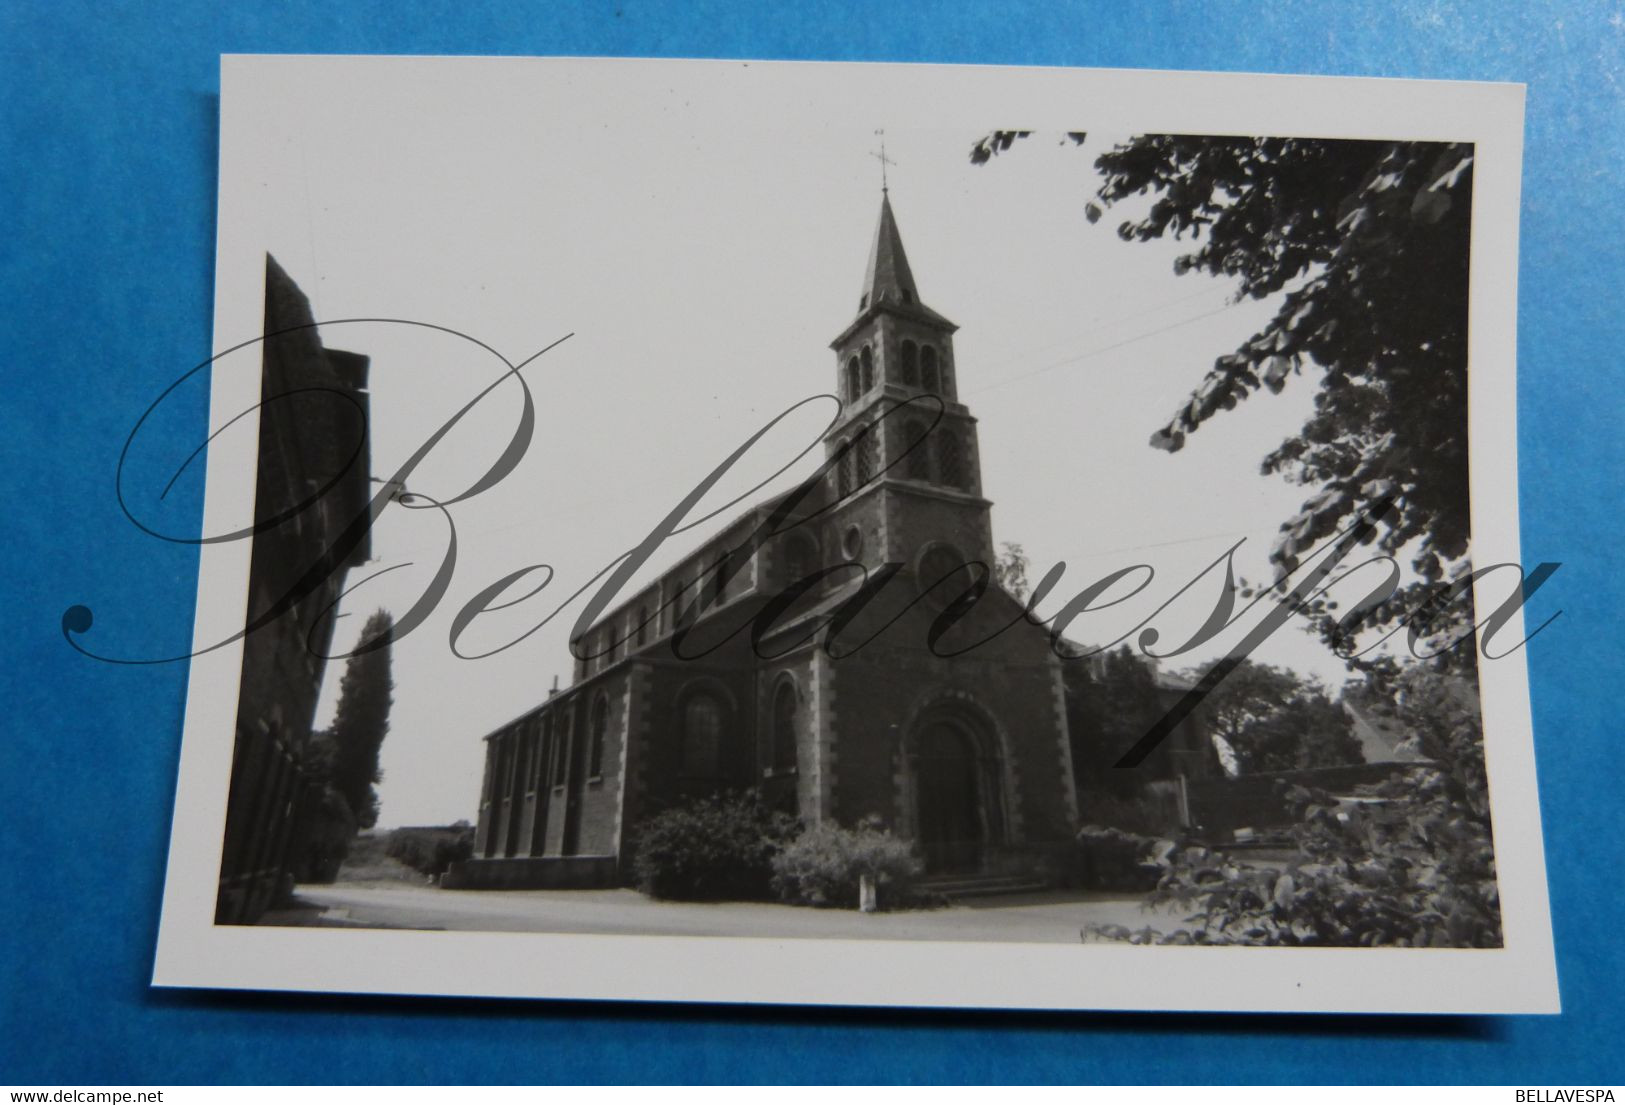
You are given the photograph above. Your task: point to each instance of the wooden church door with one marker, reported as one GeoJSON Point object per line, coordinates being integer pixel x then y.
{"type": "Point", "coordinates": [951, 822]}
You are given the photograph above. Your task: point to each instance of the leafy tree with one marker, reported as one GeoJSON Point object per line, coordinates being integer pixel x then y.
{"type": "Point", "coordinates": [323, 835]}
{"type": "Point", "coordinates": [362, 721]}
{"type": "Point", "coordinates": [1251, 693]}
{"type": "Point", "coordinates": [430, 851]}
{"type": "Point", "coordinates": [1366, 245]}
{"type": "Point", "coordinates": [1110, 703]}
{"type": "Point", "coordinates": [341, 763]}
{"type": "Point", "coordinates": [1309, 730]}
{"type": "Point", "coordinates": [1439, 707]}
{"type": "Point", "coordinates": [1412, 867]}
{"type": "Point", "coordinates": [1010, 569]}
{"type": "Point", "coordinates": [1273, 720]}
{"type": "Point", "coordinates": [1366, 242]}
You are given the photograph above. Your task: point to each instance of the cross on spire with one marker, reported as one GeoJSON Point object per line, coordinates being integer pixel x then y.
{"type": "Point", "coordinates": [883, 159]}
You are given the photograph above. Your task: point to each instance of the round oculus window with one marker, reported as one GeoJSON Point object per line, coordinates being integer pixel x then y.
{"type": "Point", "coordinates": [852, 542]}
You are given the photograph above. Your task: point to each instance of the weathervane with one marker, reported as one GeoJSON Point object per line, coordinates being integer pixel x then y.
{"type": "Point", "coordinates": [883, 159]}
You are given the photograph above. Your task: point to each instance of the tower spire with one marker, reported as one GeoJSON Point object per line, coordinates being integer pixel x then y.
{"type": "Point", "coordinates": [888, 279]}
{"type": "Point", "coordinates": [888, 283]}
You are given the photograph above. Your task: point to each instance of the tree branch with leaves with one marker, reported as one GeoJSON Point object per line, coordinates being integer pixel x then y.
{"type": "Point", "coordinates": [1366, 243]}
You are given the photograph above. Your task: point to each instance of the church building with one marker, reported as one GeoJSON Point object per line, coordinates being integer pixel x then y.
{"type": "Point", "coordinates": [831, 648]}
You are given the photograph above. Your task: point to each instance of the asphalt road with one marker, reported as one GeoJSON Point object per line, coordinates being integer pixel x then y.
{"type": "Point", "coordinates": [1052, 917]}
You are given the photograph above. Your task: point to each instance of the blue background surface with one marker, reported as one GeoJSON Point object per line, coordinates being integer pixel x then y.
{"type": "Point", "coordinates": [107, 180]}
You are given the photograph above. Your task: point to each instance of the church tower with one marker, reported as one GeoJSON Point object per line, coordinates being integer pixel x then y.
{"type": "Point", "coordinates": [849, 712]}
{"type": "Point", "coordinates": [908, 478]}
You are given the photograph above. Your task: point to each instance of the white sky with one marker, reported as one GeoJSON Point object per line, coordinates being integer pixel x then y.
{"type": "Point", "coordinates": [703, 267]}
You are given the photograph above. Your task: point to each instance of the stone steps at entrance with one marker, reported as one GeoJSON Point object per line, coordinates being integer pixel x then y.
{"type": "Point", "coordinates": [955, 887]}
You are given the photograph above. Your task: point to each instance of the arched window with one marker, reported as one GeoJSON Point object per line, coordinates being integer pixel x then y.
{"type": "Point", "coordinates": [784, 727]}
{"type": "Point", "coordinates": [868, 363]}
{"type": "Point", "coordinates": [799, 557]}
{"type": "Point", "coordinates": [911, 364]}
{"type": "Point", "coordinates": [852, 542]}
{"type": "Point", "coordinates": [702, 736]}
{"type": "Point", "coordinates": [917, 464]}
{"type": "Point", "coordinates": [845, 469]}
{"type": "Point", "coordinates": [852, 381]}
{"type": "Point", "coordinates": [595, 745]}
{"type": "Point", "coordinates": [929, 378]}
{"type": "Point", "coordinates": [867, 446]}
{"type": "Point", "coordinates": [721, 575]}
{"type": "Point", "coordinates": [950, 460]}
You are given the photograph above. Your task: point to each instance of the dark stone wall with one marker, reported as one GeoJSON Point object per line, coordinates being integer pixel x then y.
{"type": "Point", "coordinates": [670, 686]}
{"type": "Point", "coordinates": [864, 512]}
{"type": "Point", "coordinates": [916, 519]}
{"type": "Point", "coordinates": [312, 481]}
{"type": "Point", "coordinates": [1004, 688]}
{"type": "Point", "coordinates": [892, 331]}
{"type": "Point", "coordinates": [855, 715]}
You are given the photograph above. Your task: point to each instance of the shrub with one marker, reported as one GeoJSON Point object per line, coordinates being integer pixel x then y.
{"type": "Point", "coordinates": [710, 849]}
{"type": "Point", "coordinates": [1410, 866]}
{"type": "Point", "coordinates": [1113, 859]}
{"type": "Point", "coordinates": [324, 839]}
{"type": "Point", "coordinates": [822, 866]}
{"type": "Point", "coordinates": [431, 850]}
{"type": "Point", "coordinates": [1143, 814]}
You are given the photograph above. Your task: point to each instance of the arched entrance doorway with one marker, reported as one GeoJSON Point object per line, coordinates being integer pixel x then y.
{"type": "Point", "coordinates": [956, 796]}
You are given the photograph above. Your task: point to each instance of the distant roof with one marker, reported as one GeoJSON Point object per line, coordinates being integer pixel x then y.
{"type": "Point", "coordinates": [622, 607]}
{"type": "Point", "coordinates": [1379, 741]}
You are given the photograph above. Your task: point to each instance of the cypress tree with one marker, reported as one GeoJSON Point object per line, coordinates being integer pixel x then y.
{"type": "Point", "coordinates": [362, 720]}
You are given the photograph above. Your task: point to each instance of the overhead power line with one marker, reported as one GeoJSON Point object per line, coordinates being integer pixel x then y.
{"type": "Point", "coordinates": [1099, 350]}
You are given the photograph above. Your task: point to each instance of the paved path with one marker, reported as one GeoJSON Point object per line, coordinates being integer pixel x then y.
{"type": "Point", "coordinates": [1051, 917]}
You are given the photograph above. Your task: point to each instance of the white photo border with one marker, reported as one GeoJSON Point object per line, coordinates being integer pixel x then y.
{"type": "Point", "coordinates": [1519, 977]}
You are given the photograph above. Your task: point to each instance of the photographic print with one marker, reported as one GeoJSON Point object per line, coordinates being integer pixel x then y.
{"type": "Point", "coordinates": [857, 534]}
